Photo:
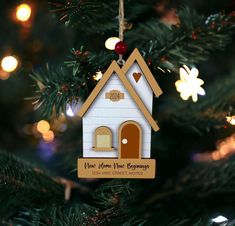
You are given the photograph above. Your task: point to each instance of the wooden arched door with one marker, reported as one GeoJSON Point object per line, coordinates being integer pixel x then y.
{"type": "Point", "coordinates": [130, 140]}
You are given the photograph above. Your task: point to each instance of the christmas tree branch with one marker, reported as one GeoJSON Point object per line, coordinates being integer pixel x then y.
{"type": "Point", "coordinates": [28, 187]}
{"type": "Point", "coordinates": [163, 47]}
{"type": "Point", "coordinates": [20, 175]}
{"type": "Point", "coordinates": [99, 16]}
{"type": "Point", "coordinates": [192, 41]}
{"type": "Point", "coordinates": [32, 197]}
{"type": "Point", "coordinates": [209, 186]}
{"type": "Point", "coordinates": [209, 112]}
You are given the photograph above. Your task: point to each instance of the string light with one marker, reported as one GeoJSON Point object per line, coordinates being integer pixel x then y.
{"type": "Point", "coordinates": [43, 126]}
{"type": "Point", "coordinates": [220, 220]}
{"type": "Point", "coordinates": [231, 120]}
{"type": "Point", "coordinates": [69, 111]}
{"type": "Point", "coordinates": [98, 76]}
{"type": "Point", "coordinates": [111, 42]}
{"type": "Point", "coordinates": [23, 12]}
{"type": "Point", "coordinates": [224, 149]}
{"type": "Point", "coordinates": [189, 84]}
{"type": "Point", "coordinates": [9, 63]}
{"type": "Point", "coordinates": [72, 108]}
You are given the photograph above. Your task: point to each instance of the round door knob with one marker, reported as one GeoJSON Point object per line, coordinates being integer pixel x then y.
{"type": "Point", "coordinates": [124, 141]}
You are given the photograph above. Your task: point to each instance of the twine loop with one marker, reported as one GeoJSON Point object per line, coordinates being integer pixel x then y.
{"type": "Point", "coordinates": [121, 29]}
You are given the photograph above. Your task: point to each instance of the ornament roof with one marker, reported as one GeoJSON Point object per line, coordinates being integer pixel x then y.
{"type": "Point", "coordinates": [136, 56]}
{"type": "Point", "coordinates": [114, 68]}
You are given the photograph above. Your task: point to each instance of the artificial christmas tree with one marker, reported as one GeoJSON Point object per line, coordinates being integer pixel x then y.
{"type": "Point", "coordinates": [63, 50]}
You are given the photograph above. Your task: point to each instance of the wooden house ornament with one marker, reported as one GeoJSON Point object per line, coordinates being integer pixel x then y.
{"type": "Point", "coordinates": [117, 123]}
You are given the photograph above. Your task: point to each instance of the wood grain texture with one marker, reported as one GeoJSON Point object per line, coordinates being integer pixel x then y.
{"type": "Point", "coordinates": [89, 153]}
{"type": "Point", "coordinates": [103, 149]}
{"type": "Point", "coordinates": [130, 131]}
{"type": "Point", "coordinates": [116, 168]}
{"type": "Point", "coordinates": [133, 103]}
{"type": "Point", "coordinates": [142, 87]}
{"type": "Point", "coordinates": [114, 95]}
{"type": "Point", "coordinates": [105, 113]}
{"type": "Point", "coordinates": [102, 114]}
{"type": "Point", "coordinates": [139, 102]}
{"type": "Point", "coordinates": [115, 68]}
{"type": "Point", "coordinates": [103, 139]}
{"type": "Point", "coordinates": [137, 76]}
{"type": "Point", "coordinates": [136, 56]}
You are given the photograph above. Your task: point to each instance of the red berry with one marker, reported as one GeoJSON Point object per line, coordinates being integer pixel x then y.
{"type": "Point", "coordinates": [213, 25]}
{"type": "Point", "coordinates": [149, 61]}
{"type": "Point", "coordinates": [194, 35]}
{"type": "Point", "coordinates": [120, 48]}
{"type": "Point", "coordinates": [64, 88]}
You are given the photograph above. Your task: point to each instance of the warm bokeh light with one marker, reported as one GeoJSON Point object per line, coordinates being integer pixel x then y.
{"type": "Point", "coordinates": [4, 75]}
{"type": "Point", "coordinates": [224, 149]}
{"type": "Point", "coordinates": [111, 42]}
{"type": "Point", "coordinates": [231, 120]}
{"type": "Point", "coordinates": [23, 12]}
{"type": "Point", "coordinates": [48, 136]}
{"type": "Point", "coordinates": [43, 126]}
{"type": "Point", "coordinates": [9, 63]}
{"type": "Point", "coordinates": [98, 76]}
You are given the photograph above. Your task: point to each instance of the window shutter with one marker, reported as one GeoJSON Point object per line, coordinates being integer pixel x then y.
{"type": "Point", "coordinates": [103, 139]}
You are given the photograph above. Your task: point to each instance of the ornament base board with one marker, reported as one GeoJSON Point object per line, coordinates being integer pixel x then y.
{"type": "Point", "coordinates": [116, 168]}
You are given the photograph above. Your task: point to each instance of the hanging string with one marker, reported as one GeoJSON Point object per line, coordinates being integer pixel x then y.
{"type": "Point", "coordinates": [121, 19]}
{"type": "Point", "coordinates": [121, 28]}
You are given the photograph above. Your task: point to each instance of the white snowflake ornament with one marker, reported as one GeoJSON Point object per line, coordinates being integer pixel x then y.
{"type": "Point", "coordinates": [189, 84]}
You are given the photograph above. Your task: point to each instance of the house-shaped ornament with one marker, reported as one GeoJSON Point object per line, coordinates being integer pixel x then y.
{"type": "Point", "coordinates": [117, 123]}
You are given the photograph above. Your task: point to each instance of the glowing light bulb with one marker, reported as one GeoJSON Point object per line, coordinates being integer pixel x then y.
{"type": "Point", "coordinates": [231, 120]}
{"type": "Point", "coordinates": [23, 12]}
{"type": "Point", "coordinates": [69, 111]}
{"type": "Point", "coordinates": [43, 126]}
{"type": "Point", "coordinates": [220, 219]}
{"type": "Point", "coordinates": [111, 42]}
{"type": "Point", "coordinates": [9, 63]}
{"type": "Point", "coordinates": [98, 76]}
{"type": "Point", "coordinates": [72, 108]}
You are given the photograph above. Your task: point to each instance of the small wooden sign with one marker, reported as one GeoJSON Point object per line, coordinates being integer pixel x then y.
{"type": "Point", "coordinates": [114, 95]}
{"type": "Point", "coordinates": [116, 168]}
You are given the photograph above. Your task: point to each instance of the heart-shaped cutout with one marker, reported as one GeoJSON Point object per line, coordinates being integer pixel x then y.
{"type": "Point", "coordinates": [137, 76]}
